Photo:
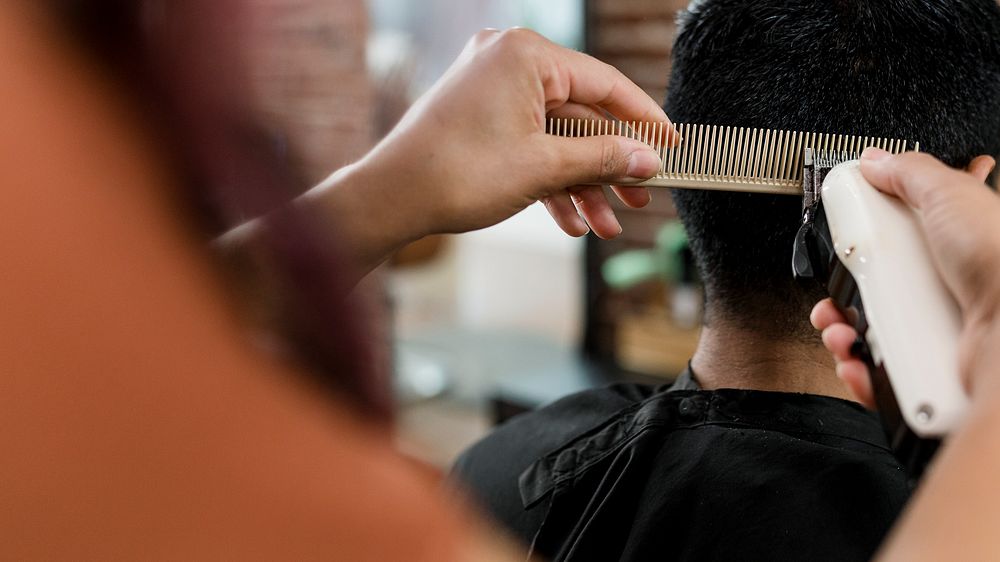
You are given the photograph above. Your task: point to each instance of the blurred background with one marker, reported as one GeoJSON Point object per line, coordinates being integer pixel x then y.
{"type": "Point", "coordinates": [493, 323]}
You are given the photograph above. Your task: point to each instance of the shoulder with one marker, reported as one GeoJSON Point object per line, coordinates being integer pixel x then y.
{"type": "Point", "coordinates": [490, 469]}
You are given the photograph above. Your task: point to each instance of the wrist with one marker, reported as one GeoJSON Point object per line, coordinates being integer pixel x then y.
{"type": "Point", "coordinates": [358, 207]}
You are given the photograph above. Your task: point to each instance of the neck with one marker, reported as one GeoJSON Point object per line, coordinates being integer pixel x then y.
{"type": "Point", "coordinates": [732, 357]}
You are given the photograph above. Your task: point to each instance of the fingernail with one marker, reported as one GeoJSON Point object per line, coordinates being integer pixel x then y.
{"type": "Point", "coordinates": [643, 164]}
{"type": "Point", "coordinates": [873, 154]}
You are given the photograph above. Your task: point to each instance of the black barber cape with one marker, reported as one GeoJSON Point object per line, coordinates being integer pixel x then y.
{"type": "Point", "coordinates": [634, 473]}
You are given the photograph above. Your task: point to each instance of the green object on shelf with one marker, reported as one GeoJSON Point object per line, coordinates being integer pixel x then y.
{"type": "Point", "coordinates": [664, 262]}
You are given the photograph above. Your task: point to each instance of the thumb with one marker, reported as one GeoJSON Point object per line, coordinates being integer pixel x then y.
{"type": "Point", "coordinates": [603, 159]}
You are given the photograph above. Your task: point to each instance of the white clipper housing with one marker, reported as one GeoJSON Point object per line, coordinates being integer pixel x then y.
{"type": "Point", "coordinates": [914, 322]}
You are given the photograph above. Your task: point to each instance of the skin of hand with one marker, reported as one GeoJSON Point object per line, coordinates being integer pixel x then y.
{"type": "Point", "coordinates": [961, 218]}
{"type": "Point", "coordinates": [473, 151]}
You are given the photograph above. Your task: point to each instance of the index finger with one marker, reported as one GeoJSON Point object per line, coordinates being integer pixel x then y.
{"type": "Point", "coordinates": [586, 80]}
{"type": "Point", "coordinates": [913, 177]}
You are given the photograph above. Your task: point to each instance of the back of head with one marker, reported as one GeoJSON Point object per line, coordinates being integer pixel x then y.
{"type": "Point", "coordinates": [921, 70]}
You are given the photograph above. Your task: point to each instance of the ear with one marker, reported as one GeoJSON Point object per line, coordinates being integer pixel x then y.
{"type": "Point", "coordinates": [981, 167]}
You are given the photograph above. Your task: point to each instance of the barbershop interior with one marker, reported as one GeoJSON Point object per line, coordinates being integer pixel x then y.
{"type": "Point", "coordinates": [495, 280]}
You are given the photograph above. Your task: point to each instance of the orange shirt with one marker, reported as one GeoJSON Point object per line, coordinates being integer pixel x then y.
{"type": "Point", "coordinates": [135, 419]}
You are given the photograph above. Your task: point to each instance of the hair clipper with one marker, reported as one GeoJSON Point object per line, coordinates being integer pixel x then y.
{"type": "Point", "coordinates": [869, 251]}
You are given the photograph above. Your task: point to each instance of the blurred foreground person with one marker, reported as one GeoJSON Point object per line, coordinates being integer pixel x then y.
{"type": "Point", "coordinates": [138, 419]}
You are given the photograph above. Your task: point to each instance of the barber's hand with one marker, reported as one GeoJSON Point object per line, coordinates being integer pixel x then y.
{"type": "Point", "coordinates": [961, 219]}
{"type": "Point", "coordinates": [473, 151]}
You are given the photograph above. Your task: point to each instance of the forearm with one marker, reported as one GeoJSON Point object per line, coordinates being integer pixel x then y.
{"type": "Point", "coordinates": [352, 211]}
{"type": "Point", "coordinates": [956, 513]}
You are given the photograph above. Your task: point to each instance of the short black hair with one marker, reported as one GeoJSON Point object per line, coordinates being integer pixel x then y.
{"type": "Point", "coordinates": [921, 70]}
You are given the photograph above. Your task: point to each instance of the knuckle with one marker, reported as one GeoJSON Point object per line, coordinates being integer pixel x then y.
{"type": "Point", "coordinates": [612, 159]}
{"type": "Point", "coordinates": [517, 40]}
{"type": "Point", "coordinates": [484, 36]}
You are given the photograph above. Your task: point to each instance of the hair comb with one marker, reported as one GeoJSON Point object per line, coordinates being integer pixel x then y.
{"type": "Point", "coordinates": [714, 157]}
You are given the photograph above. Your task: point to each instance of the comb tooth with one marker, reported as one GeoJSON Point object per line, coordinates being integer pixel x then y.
{"type": "Point", "coordinates": [765, 150]}
{"type": "Point", "coordinates": [682, 155]}
{"type": "Point", "coordinates": [748, 143]}
{"type": "Point", "coordinates": [758, 155]}
{"type": "Point", "coordinates": [713, 152]}
{"type": "Point", "coordinates": [670, 150]}
{"type": "Point", "coordinates": [675, 152]}
{"type": "Point", "coordinates": [772, 155]}
{"type": "Point", "coordinates": [760, 164]}
{"type": "Point", "coordinates": [779, 147]}
{"type": "Point", "coordinates": [670, 159]}
{"type": "Point", "coordinates": [710, 147]}
{"type": "Point", "coordinates": [686, 154]}
{"type": "Point", "coordinates": [780, 172]}
{"type": "Point", "coordinates": [678, 157]}
{"type": "Point", "coordinates": [794, 170]}
{"type": "Point", "coordinates": [755, 156]}
{"type": "Point", "coordinates": [700, 151]}
{"type": "Point", "coordinates": [695, 149]}
{"type": "Point", "coordinates": [746, 166]}
{"type": "Point", "coordinates": [738, 162]}
{"type": "Point", "coordinates": [663, 150]}
{"type": "Point", "coordinates": [796, 149]}
{"type": "Point", "coordinates": [734, 164]}
{"type": "Point", "coordinates": [744, 158]}
{"type": "Point", "coordinates": [754, 161]}
{"type": "Point", "coordinates": [727, 153]}
{"type": "Point", "coordinates": [738, 155]}
{"type": "Point", "coordinates": [678, 152]}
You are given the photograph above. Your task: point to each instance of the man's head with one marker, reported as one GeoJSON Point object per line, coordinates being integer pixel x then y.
{"type": "Point", "coordinates": [922, 70]}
